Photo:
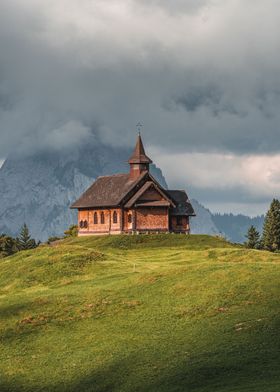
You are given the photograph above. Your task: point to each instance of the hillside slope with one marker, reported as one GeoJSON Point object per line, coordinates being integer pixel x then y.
{"type": "Point", "coordinates": [142, 313]}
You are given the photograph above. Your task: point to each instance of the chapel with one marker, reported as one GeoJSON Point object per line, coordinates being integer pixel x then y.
{"type": "Point", "coordinates": [133, 202]}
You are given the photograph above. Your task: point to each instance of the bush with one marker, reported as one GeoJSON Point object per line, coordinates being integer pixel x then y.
{"type": "Point", "coordinates": [53, 239]}
{"type": "Point", "coordinates": [8, 245]}
{"type": "Point", "coordinates": [72, 231]}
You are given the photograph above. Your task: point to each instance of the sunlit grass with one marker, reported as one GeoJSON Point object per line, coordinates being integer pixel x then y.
{"type": "Point", "coordinates": [140, 313]}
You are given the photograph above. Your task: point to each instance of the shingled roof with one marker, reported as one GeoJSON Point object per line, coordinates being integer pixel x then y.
{"type": "Point", "coordinates": [183, 204]}
{"type": "Point", "coordinates": [107, 191]}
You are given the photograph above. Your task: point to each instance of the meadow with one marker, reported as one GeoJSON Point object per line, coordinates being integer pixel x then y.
{"type": "Point", "coordinates": [149, 313]}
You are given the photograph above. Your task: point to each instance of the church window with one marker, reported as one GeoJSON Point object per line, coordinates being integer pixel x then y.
{"type": "Point", "coordinates": [95, 218]}
{"type": "Point", "coordinates": [102, 218]}
{"type": "Point", "coordinates": [115, 217]}
{"type": "Point", "coordinates": [81, 224]}
{"type": "Point", "coordinates": [129, 218]}
{"type": "Point", "coordinates": [85, 224]}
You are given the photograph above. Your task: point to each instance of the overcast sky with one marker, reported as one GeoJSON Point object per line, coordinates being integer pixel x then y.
{"type": "Point", "coordinates": [202, 76]}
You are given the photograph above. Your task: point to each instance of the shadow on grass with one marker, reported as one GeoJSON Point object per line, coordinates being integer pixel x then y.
{"type": "Point", "coordinates": [13, 309]}
{"type": "Point", "coordinates": [192, 375]}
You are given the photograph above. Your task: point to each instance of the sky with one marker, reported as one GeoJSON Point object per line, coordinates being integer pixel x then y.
{"type": "Point", "coordinates": [202, 76]}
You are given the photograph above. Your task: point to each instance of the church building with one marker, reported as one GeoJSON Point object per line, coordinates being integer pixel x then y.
{"type": "Point", "coordinates": [132, 203]}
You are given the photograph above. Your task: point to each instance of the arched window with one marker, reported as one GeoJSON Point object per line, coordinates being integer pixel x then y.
{"type": "Point", "coordinates": [115, 217]}
{"type": "Point", "coordinates": [102, 218]}
{"type": "Point", "coordinates": [81, 224]}
{"type": "Point", "coordinates": [95, 218]}
{"type": "Point", "coordinates": [129, 218]}
{"type": "Point", "coordinates": [85, 224]}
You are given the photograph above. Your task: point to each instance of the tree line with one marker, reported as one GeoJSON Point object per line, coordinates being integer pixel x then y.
{"type": "Point", "coordinates": [270, 237]}
{"type": "Point", "coordinates": [268, 240]}
{"type": "Point", "coordinates": [10, 245]}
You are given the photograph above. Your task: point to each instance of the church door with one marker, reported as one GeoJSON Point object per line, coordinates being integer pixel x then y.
{"type": "Point", "coordinates": [129, 221]}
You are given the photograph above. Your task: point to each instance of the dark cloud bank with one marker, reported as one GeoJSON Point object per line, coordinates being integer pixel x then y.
{"type": "Point", "coordinates": [201, 75]}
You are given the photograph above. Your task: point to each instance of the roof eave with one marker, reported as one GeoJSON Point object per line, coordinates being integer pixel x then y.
{"type": "Point", "coordinates": [104, 207]}
{"type": "Point", "coordinates": [181, 214]}
{"type": "Point", "coordinates": [123, 198]}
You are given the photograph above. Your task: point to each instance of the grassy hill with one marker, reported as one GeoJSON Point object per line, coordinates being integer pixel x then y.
{"type": "Point", "coordinates": [144, 313]}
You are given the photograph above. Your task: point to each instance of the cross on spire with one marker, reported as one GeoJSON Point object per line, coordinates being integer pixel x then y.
{"type": "Point", "coordinates": [139, 126]}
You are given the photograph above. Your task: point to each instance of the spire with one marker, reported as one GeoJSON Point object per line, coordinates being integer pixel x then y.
{"type": "Point", "coordinates": [139, 161]}
{"type": "Point", "coordinates": [139, 155]}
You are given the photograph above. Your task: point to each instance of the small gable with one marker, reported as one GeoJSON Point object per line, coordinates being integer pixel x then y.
{"type": "Point", "coordinates": [149, 195]}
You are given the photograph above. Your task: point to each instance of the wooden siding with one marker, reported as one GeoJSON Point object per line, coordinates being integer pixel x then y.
{"type": "Point", "coordinates": [183, 228]}
{"type": "Point", "coordinates": [100, 228]}
{"type": "Point", "coordinates": [156, 219]}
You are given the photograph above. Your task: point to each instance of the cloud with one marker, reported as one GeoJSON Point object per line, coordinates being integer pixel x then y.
{"type": "Point", "coordinates": [202, 76]}
{"type": "Point", "coordinates": [224, 179]}
{"type": "Point", "coordinates": [64, 137]}
{"type": "Point", "coordinates": [187, 6]}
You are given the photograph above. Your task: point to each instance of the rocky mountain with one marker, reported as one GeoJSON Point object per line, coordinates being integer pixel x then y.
{"type": "Point", "coordinates": [203, 222]}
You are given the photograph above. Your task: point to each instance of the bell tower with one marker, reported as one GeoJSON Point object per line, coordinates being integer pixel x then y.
{"type": "Point", "coordinates": [139, 162]}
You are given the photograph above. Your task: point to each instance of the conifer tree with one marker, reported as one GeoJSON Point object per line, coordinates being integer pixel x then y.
{"type": "Point", "coordinates": [253, 238]}
{"type": "Point", "coordinates": [25, 241]}
{"type": "Point", "coordinates": [271, 230]}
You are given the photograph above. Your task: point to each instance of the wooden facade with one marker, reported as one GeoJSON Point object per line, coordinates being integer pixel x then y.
{"type": "Point", "coordinates": [132, 203]}
{"type": "Point", "coordinates": [140, 220]}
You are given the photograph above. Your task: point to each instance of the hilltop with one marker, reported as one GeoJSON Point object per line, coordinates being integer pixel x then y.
{"type": "Point", "coordinates": [140, 313]}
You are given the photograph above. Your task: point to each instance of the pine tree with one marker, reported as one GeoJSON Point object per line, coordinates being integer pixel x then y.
{"type": "Point", "coordinates": [25, 241]}
{"type": "Point", "coordinates": [271, 230]}
{"type": "Point", "coordinates": [253, 237]}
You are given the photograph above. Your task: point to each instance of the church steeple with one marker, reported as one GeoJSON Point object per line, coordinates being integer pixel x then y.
{"type": "Point", "coordinates": [139, 161]}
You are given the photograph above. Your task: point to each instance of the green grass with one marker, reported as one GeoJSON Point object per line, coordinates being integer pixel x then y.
{"type": "Point", "coordinates": [140, 313]}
